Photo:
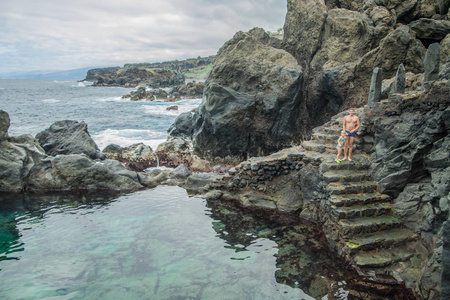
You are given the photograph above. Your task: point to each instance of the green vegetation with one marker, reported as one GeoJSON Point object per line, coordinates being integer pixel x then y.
{"type": "Point", "coordinates": [198, 72]}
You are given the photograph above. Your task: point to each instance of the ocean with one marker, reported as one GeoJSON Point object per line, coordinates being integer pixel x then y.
{"type": "Point", "coordinates": [34, 105]}
{"type": "Point", "coordinates": [158, 243]}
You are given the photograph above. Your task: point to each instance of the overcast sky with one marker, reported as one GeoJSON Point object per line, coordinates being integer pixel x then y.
{"type": "Point", "coordinates": [70, 34]}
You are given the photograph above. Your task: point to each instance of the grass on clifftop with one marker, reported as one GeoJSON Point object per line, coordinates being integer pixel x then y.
{"type": "Point", "coordinates": [199, 72]}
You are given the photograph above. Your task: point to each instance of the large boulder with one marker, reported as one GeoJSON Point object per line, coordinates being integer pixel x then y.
{"type": "Point", "coordinates": [79, 172]}
{"type": "Point", "coordinates": [183, 126]}
{"type": "Point", "coordinates": [24, 166]}
{"type": "Point", "coordinates": [431, 29]}
{"type": "Point", "coordinates": [136, 157]}
{"type": "Point", "coordinates": [18, 156]}
{"type": "Point", "coordinates": [251, 101]}
{"type": "Point", "coordinates": [68, 137]}
{"type": "Point", "coordinates": [5, 122]}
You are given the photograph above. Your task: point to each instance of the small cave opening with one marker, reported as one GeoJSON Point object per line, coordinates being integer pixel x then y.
{"type": "Point", "coordinates": [427, 42]}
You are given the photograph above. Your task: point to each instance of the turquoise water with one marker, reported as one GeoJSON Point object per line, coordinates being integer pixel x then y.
{"type": "Point", "coordinates": [154, 244]}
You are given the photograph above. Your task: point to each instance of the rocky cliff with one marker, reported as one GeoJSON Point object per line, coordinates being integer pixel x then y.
{"type": "Point", "coordinates": [134, 76]}
{"type": "Point", "coordinates": [270, 93]}
{"type": "Point", "coordinates": [385, 211]}
{"type": "Point", "coordinates": [171, 73]}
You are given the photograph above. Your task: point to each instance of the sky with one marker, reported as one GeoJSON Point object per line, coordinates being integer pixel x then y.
{"type": "Point", "coordinates": [71, 34]}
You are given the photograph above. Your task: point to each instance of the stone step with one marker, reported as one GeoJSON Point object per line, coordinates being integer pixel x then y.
{"type": "Point", "coordinates": [359, 163]}
{"type": "Point", "coordinates": [317, 147]}
{"type": "Point", "coordinates": [346, 188]}
{"type": "Point", "coordinates": [380, 258]}
{"type": "Point", "coordinates": [358, 199]}
{"type": "Point", "coordinates": [361, 211]}
{"type": "Point", "coordinates": [346, 176]}
{"type": "Point", "coordinates": [381, 239]}
{"type": "Point", "coordinates": [324, 138]}
{"type": "Point", "coordinates": [350, 227]}
{"type": "Point", "coordinates": [332, 130]}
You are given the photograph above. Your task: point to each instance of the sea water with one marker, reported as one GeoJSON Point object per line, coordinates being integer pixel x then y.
{"type": "Point", "coordinates": [154, 244]}
{"type": "Point", "coordinates": [158, 243]}
{"type": "Point", "coordinates": [34, 105]}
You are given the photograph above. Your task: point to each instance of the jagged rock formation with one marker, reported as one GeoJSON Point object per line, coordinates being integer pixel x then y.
{"type": "Point", "coordinates": [250, 99]}
{"type": "Point", "coordinates": [133, 76]}
{"type": "Point", "coordinates": [170, 73]}
{"type": "Point", "coordinates": [66, 137]}
{"type": "Point", "coordinates": [185, 91]}
{"type": "Point", "coordinates": [384, 211]}
{"type": "Point", "coordinates": [336, 44]}
{"type": "Point", "coordinates": [26, 167]}
{"type": "Point", "coordinates": [136, 157]}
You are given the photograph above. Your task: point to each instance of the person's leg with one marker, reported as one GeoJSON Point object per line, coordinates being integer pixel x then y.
{"type": "Point", "coordinates": [339, 150]}
{"type": "Point", "coordinates": [350, 147]}
{"type": "Point", "coordinates": [345, 147]}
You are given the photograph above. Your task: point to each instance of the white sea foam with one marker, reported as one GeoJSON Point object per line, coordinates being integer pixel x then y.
{"type": "Point", "coordinates": [127, 137]}
{"type": "Point", "coordinates": [113, 99]}
{"type": "Point", "coordinates": [51, 101]}
{"type": "Point", "coordinates": [161, 109]}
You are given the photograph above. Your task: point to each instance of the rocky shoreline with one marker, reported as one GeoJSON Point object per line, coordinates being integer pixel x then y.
{"type": "Point", "coordinates": [270, 115]}
{"type": "Point", "coordinates": [64, 158]}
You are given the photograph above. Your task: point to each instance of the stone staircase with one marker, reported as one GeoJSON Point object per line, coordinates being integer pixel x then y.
{"type": "Point", "coordinates": [360, 222]}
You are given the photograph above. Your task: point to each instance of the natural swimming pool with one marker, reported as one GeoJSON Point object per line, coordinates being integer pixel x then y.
{"type": "Point", "coordinates": [162, 244]}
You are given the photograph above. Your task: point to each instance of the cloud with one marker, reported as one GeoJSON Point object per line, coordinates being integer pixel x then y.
{"type": "Point", "coordinates": [64, 34]}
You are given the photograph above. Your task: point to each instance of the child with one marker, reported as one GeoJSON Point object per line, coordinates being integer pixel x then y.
{"type": "Point", "coordinates": [339, 146]}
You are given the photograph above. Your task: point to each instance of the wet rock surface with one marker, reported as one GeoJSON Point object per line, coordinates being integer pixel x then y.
{"type": "Point", "coordinates": [250, 99]}
{"type": "Point", "coordinates": [303, 259]}
{"type": "Point", "coordinates": [68, 137]}
{"type": "Point", "coordinates": [136, 157]}
{"type": "Point", "coordinates": [26, 167]}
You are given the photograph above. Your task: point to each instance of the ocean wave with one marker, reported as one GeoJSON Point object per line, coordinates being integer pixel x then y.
{"type": "Point", "coordinates": [51, 100]}
{"type": "Point", "coordinates": [127, 137]}
{"type": "Point", "coordinates": [80, 84]}
{"type": "Point", "coordinates": [161, 110]}
{"type": "Point", "coordinates": [113, 99]}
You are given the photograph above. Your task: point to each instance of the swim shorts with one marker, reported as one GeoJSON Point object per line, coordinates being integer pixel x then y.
{"type": "Point", "coordinates": [351, 134]}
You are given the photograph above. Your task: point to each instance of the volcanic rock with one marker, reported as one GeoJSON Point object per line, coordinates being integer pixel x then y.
{"type": "Point", "coordinates": [68, 137]}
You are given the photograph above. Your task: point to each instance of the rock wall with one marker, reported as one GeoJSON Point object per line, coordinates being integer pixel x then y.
{"type": "Point", "coordinates": [250, 100]}
{"type": "Point", "coordinates": [264, 94]}
{"type": "Point", "coordinates": [411, 162]}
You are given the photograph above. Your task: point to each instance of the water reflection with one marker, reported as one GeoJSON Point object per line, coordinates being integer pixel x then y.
{"type": "Point", "coordinates": [162, 244]}
{"type": "Point", "coordinates": [32, 209]}
{"type": "Point", "coordinates": [303, 257]}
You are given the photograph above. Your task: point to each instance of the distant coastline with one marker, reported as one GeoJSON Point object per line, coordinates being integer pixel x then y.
{"type": "Point", "coordinates": [80, 74]}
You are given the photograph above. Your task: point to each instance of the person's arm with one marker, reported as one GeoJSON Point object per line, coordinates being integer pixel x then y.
{"type": "Point", "coordinates": [345, 121]}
